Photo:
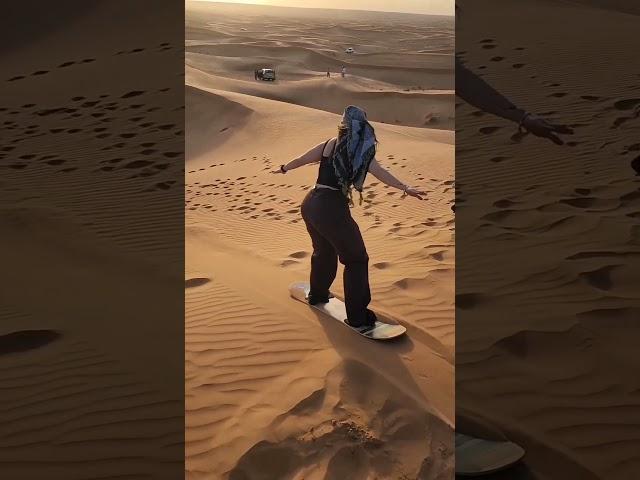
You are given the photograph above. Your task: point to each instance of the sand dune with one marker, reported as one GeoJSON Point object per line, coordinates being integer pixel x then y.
{"type": "Point", "coordinates": [210, 115]}
{"type": "Point", "coordinates": [433, 109]}
{"type": "Point", "coordinates": [273, 390]}
{"type": "Point", "coordinates": [559, 376]}
{"type": "Point", "coordinates": [401, 71]}
{"type": "Point", "coordinates": [77, 300]}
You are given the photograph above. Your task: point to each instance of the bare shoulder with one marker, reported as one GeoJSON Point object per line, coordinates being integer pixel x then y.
{"type": "Point", "coordinates": [328, 148]}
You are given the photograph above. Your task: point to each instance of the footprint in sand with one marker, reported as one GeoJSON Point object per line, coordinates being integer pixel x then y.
{"type": "Point", "coordinates": [466, 301]}
{"type": "Point", "coordinates": [133, 93]}
{"type": "Point", "coordinates": [600, 278]}
{"type": "Point", "coordinates": [627, 104]}
{"type": "Point", "coordinates": [503, 203]}
{"type": "Point", "coordinates": [438, 256]}
{"type": "Point", "coordinates": [584, 202]}
{"type": "Point", "coordinates": [619, 121]}
{"type": "Point", "coordinates": [286, 263]}
{"type": "Point", "coordinates": [56, 162]}
{"type": "Point", "coordinates": [23, 340]}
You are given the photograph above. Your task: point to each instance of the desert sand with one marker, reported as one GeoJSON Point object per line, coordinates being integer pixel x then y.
{"type": "Point", "coordinates": [274, 391]}
{"type": "Point", "coordinates": [547, 265]}
{"type": "Point", "coordinates": [90, 307]}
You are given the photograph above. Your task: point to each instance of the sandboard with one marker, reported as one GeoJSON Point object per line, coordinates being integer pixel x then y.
{"type": "Point", "coordinates": [335, 308]}
{"type": "Point", "coordinates": [476, 457]}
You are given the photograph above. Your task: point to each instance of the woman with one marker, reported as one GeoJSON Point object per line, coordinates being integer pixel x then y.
{"type": "Point", "coordinates": [344, 164]}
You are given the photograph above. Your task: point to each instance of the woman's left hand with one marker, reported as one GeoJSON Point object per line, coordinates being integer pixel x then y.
{"type": "Point", "coordinates": [414, 192]}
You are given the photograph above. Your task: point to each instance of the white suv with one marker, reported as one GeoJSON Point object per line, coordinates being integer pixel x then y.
{"type": "Point", "coordinates": [268, 74]}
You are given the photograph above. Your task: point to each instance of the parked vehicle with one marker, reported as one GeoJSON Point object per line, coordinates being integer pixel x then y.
{"type": "Point", "coordinates": [349, 50]}
{"type": "Point", "coordinates": [265, 74]}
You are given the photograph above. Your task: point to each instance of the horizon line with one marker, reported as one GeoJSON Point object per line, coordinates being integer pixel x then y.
{"type": "Point", "coordinates": [231, 2]}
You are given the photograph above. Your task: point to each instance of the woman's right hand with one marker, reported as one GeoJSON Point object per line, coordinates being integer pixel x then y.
{"type": "Point", "coordinates": [542, 128]}
{"type": "Point", "coordinates": [414, 192]}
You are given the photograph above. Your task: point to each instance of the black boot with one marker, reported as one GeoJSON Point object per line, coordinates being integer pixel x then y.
{"type": "Point", "coordinates": [314, 299]}
{"type": "Point", "coordinates": [370, 322]}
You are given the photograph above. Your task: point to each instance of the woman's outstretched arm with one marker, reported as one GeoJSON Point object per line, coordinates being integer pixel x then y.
{"type": "Point", "coordinates": [475, 91]}
{"type": "Point", "coordinates": [387, 178]}
{"type": "Point", "coordinates": [312, 156]}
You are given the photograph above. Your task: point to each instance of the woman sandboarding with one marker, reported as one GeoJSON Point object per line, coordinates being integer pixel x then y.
{"type": "Point", "coordinates": [344, 164]}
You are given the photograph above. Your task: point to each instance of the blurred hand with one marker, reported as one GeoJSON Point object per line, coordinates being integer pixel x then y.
{"type": "Point", "coordinates": [414, 192]}
{"type": "Point", "coordinates": [541, 128]}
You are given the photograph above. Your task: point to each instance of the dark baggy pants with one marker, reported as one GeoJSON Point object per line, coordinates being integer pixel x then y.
{"type": "Point", "coordinates": [335, 234]}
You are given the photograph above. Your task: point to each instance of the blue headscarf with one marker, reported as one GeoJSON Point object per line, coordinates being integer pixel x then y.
{"type": "Point", "coordinates": [355, 149]}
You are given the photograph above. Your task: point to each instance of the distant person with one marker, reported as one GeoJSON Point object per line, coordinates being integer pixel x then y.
{"type": "Point", "coordinates": [328, 73]}
{"type": "Point", "coordinates": [344, 71]}
{"type": "Point", "coordinates": [344, 164]}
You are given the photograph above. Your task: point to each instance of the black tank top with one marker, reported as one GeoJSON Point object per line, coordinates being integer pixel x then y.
{"type": "Point", "coordinates": [326, 173]}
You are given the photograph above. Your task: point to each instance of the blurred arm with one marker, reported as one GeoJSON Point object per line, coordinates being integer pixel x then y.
{"type": "Point", "coordinates": [475, 91]}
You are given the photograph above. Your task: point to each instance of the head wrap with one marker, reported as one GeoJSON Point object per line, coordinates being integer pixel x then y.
{"type": "Point", "coordinates": [354, 151]}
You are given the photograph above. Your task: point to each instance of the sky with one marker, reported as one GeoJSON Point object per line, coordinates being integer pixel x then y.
{"type": "Point", "coordinates": [430, 7]}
